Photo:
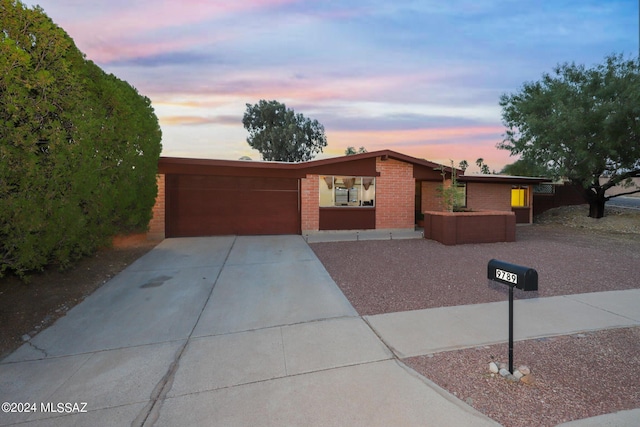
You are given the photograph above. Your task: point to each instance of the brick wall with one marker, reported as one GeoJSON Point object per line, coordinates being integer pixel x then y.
{"type": "Point", "coordinates": [310, 209]}
{"type": "Point", "coordinates": [494, 197]}
{"type": "Point", "coordinates": [431, 200]}
{"type": "Point", "coordinates": [395, 194]}
{"type": "Point", "coordinates": [156, 225]}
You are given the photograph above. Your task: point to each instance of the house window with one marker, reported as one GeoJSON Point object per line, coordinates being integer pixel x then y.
{"type": "Point", "coordinates": [460, 196]}
{"type": "Point", "coordinates": [347, 191]}
{"type": "Point", "coordinates": [519, 196]}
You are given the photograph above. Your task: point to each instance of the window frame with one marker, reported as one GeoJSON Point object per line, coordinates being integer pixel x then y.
{"type": "Point", "coordinates": [525, 198]}
{"type": "Point", "coordinates": [335, 183]}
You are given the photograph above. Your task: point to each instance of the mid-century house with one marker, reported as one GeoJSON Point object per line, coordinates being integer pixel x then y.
{"type": "Point", "coordinates": [377, 190]}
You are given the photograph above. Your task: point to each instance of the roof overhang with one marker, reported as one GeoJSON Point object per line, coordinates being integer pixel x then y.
{"type": "Point", "coordinates": [503, 179]}
{"type": "Point", "coordinates": [363, 164]}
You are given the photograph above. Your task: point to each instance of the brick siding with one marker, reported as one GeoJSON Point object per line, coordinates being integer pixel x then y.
{"type": "Point", "coordinates": [310, 203]}
{"type": "Point", "coordinates": [431, 199]}
{"type": "Point", "coordinates": [492, 197]}
{"type": "Point", "coordinates": [395, 194]}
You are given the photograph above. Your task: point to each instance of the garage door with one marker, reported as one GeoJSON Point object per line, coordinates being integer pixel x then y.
{"type": "Point", "coordinates": [198, 205]}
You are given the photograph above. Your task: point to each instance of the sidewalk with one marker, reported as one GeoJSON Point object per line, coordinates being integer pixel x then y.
{"type": "Point", "coordinates": [411, 333]}
{"type": "Point", "coordinates": [253, 331]}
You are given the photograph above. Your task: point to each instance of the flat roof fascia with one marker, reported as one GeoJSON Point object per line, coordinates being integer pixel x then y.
{"type": "Point", "coordinates": [503, 179]}
{"type": "Point", "coordinates": [363, 164]}
{"type": "Point", "coordinates": [354, 167]}
{"type": "Point", "coordinates": [187, 166]}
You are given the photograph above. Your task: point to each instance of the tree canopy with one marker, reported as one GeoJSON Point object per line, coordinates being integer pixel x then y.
{"type": "Point", "coordinates": [78, 148]}
{"type": "Point", "coordinates": [350, 151]}
{"type": "Point", "coordinates": [524, 167]}
{"type": "Point", "coordinates": [280, 134]}
{"type": "Point", "coordinates": [579, 123]}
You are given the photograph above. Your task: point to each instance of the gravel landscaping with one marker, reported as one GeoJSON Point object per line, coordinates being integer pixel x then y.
{"type": "Point", "coordinates": [574, 376]}
{"type": "Point", "coordinates": [387, 276]}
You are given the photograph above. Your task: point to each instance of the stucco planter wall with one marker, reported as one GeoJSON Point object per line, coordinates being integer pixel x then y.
{"type": "Point", "coordinates": [456, 228]}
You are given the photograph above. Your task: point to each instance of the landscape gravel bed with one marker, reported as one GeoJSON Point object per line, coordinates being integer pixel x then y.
{"type": "Point", "coordinates": [385, 276]}
{"type": "Point", "coordinates": [575, 376]}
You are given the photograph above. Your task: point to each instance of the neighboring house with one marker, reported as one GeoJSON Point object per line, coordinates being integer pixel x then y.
{"type": "Point", "coordinates": [376, 190]}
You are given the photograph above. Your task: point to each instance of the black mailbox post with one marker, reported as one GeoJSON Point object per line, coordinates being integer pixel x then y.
{"type": "Point", "coordinates": [515, 276]}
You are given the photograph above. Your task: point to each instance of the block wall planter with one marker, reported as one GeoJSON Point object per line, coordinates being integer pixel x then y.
{"type": "Point", "coordinates": [456, 228]}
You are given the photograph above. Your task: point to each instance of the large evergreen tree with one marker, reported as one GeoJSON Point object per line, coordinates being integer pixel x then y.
{"type": "Point", "coordinates": [78, 148]}
{"type": "Point", "coordinates": [582, 124]}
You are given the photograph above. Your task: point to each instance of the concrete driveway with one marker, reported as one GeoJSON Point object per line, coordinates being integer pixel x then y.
{"type": "Point", "coordinates": [219, 331]}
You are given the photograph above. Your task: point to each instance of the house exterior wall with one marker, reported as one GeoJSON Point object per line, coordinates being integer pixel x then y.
{"type": "Point", "coordinates": [396, 200]}
{"type": "Point", "coordinates": [157, 223]}
{"type": "Point", "coordinates": [395, 194]}
{"type": "Point", "coordinates": [488, 197]}
{"type": "Point", "coordinates": [431, 200]}
{"type": "Point", "coordinates": [310, 203]}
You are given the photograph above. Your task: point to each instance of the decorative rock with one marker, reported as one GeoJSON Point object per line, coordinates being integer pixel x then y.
{"type": "Point", "coordinates": [504, 372]}
{"type": "Point", "coordinates": [502, 366]}
{"type": "Point", "coordinates": [26, 337]}
{"type": "Point", "coordinates": [518, 374]}
{"type": "Point", "coordinates": [524, 369]}
{"type": "Point", "coordinates": [494, 368]}
{"type": "Point", "coordinates": [511, 378]}
{"type": "Point", "coordinates": [528, 379]}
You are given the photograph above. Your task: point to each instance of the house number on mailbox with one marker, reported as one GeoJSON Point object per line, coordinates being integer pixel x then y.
{"type": "Point", "coordinates": [506, 276]}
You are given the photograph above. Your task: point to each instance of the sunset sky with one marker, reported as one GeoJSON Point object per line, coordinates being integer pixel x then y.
{"type": "Point", "coordinates": [420, 77]}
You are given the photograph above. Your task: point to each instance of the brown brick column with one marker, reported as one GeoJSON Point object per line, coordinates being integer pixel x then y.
{"type": "Point", "coordinates": [310, 203]}
{"type": "Point", "coordinates": [395, 194]}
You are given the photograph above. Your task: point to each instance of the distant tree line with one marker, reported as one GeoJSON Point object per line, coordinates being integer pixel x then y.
{"type": "Point", "coordinates": [78, 147]}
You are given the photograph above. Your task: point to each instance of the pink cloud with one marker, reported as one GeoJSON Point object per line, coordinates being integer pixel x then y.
{"type": "Point", "coordinates": [146, 16]}
{"type": "Point", "coordinates": [120, 34]}
{"type": "Point", "coordinates": [197, 120]}
{"type": "Point", "coordinates": [412, 136]}
{"type": "Point", "coordinates": [122, 49]}
{"type": "Point", "coordinates": [254, 86]}
{"type": "Point", "coordinates": [438, 145]}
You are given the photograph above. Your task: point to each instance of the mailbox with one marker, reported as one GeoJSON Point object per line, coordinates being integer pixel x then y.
{"type": "Point", "coordinates": [517, 276]}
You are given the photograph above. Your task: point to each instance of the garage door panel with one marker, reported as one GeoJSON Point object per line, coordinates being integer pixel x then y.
{"type": "Point", "coordinates": [210, 205]}
{"type": "Point", "coordinates": [232, 183]}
